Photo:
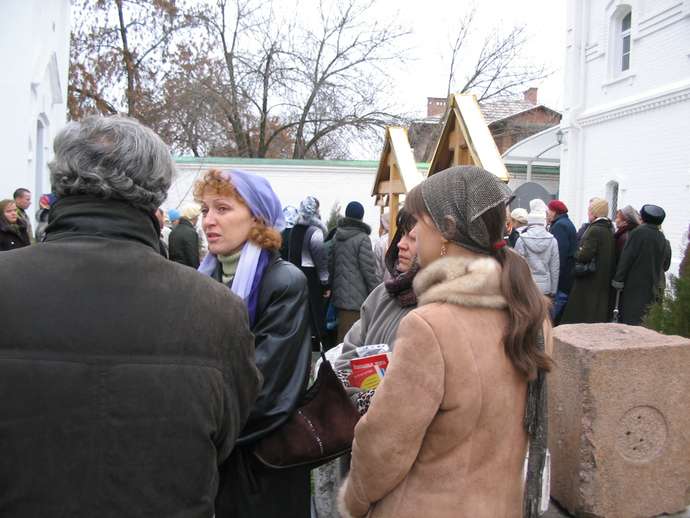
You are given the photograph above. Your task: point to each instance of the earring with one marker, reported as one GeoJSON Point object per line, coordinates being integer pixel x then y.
{"type": "Point", "coordinates": [444, 250]}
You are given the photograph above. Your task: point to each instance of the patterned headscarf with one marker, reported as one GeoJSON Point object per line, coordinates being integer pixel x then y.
{"type": "Point", "coordinates": [290, 214]}
{"type": "Point", "coordinates": [457, 197]}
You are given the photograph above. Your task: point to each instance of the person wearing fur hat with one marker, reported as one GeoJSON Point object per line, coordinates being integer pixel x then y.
{"type": "Point", "coordinates": [518, 223]}
{"type": "Point", "coordinates": [446, 434]}
{"type": "Point", "coordinates": [352, 267]}
{"type": "Point", "coordinates": [627, 219]}
{"type": "Point", "coordinates": [642, 266]}
{"type": "Point", "coordinates": [183, 242]}
{"type": "Point", "coordinates": [564, 231]}
{"type": "Point", "coordinates": [540, 249]}
{"type": "Point", "coordinates": [589, 300]}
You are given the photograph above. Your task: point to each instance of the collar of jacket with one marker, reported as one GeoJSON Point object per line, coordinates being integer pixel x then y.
{"type": "Point", "coordinates": [560, 217]}
{"type": "Point", "coordinates": [603, 221]}
{"type": "Point", "coordinates": [82, 215]}
{"type": "Point", "coordinates": [461, 281]}
{"type": "Point", "coordinates": [354, 223]}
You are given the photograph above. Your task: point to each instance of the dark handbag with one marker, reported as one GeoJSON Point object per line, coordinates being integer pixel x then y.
{"type": "Point", "coordinates": [584, 269]}
{"type": "Point", "coordinates": [320, 429]}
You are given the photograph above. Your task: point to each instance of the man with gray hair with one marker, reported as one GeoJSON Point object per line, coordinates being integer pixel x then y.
{"type": "Point", "coordinates": [125, 378]}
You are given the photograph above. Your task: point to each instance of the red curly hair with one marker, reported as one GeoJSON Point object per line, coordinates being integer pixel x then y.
{"type": "Point", "coordinates": [213, 182]}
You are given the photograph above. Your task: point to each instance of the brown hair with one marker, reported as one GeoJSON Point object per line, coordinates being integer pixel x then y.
{"type": "Point", "coordinates": [213, 181]}
{"type": "Point", "coordinates": [527, 307]}
{"type": "Point", "coordinates": [3, 205]}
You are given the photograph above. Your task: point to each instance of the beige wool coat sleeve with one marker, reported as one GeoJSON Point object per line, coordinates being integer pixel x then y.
{"type": "Point", "coordinates": [389, 436]}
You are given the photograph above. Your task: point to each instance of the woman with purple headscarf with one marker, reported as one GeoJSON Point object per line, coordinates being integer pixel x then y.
{"type": "Point", "coordinates": [242, 219]}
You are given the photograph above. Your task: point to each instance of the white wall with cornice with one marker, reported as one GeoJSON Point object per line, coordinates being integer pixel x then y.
{"type": "Point", "coordinates": [633, 127]}
{"type": "Point", "coordinates": [34, 38]}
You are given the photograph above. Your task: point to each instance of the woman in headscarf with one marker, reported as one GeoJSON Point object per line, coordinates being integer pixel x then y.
{"type": "Point", "coordinates": [306, 250]}
{"type": "Point", "coordinates": [445, 435]}
{"type": "Point", "coordinates": [381, 314]}
{"type": "Point", "coordinates": [242, 219]}
{"type": "Point", "coordinates": [13, 232]}
{"type": "Point", "coordinates": [627, 220]}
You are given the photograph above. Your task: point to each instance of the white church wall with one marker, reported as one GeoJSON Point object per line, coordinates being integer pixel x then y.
{"type": "Point", "coordinates": [631, 128]}
{"type": "Point", "coordinates": [34, 36]}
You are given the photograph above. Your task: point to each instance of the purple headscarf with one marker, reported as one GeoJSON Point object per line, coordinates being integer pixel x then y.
{"type": "Point", "coordinates": [263, 203]}
{"type": "Point", "coordinates": [258, 194]}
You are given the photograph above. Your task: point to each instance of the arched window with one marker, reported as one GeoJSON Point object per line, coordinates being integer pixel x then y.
{"type": "Point", "coordinates": [612, 198]}
{"type": "Point", "coordinates": [620, 47]}
{"type": "Point", "coordinates": [625, 25]}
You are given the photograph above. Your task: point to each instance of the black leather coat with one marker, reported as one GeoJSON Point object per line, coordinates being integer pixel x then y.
{"type": "Point", "coordinates": [125, 378]}
{"type": "Point", "coordinates": [283, 346]}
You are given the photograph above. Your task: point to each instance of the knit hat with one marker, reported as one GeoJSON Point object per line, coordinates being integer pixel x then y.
{"type": "Point", "coordinates": [519, 215]}
{"type": "Point", "coordinates": [599, 207]}
{"type": "Point", "coordinates": [652, 214]}
{"type": "Point", "coordinates": [558, 207]}
{"type": "Point", "coordinates": [537, 212]}
{"type": "Point", "coordinates": [190, 211]}
{"type": "Point", "coordinates": [173, 215]}
{"type": "Point", "coordinates": [354, 210]}
{"type": "Point", "coordinates": [460, 196]}
{"type": "Point", "coordinates": [630, 214]}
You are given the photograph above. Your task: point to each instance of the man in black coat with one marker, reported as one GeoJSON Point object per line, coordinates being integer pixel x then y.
{"type": "Point", "coordinates": [127, 381]}
{"type": "Point", "coordinates": [183, 243]}
{"type": "Point", "coordinates": [640, 272]}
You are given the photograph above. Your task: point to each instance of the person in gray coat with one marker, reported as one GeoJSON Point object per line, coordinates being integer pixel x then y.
{"type": "Point", "coordinates": [540, 249]}
{"type": "Point", "coordinates": [352, 267]}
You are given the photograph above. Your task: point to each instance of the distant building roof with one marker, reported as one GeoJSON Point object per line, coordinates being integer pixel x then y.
{"type": "Point", "coordinates": [496, 110]}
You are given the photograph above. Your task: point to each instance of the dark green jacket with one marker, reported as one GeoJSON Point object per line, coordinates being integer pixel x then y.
{"type": "Point", "coordinates": [645, 258]}
{"type": "Point", "coordinates": [589, 300]}
{"type": "Point", "coordinates": [183, 244]}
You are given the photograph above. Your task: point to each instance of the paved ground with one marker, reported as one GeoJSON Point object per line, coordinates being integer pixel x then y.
{"type": "Point", "coordinates": [556, 512]}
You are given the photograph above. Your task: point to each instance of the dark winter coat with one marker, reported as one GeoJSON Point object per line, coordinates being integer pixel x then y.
{"type": "Point", "coordinates": [183, 244]}
{"type": "Point", "coordinates": [12, 237]}
{"type": "Point", "coordinates": [640, 272]}
{"type": "Point", "coordinates": [589, 300]}
{"type": "Point", "coordinates": [352, 265]}
{"type": "Point", "coordinates": [621, 236]}
{"type": "Point", "coordinates": [566, 236]}
{"type": "Point", "coordinates": [126, 382]}
{"type": "Point", "coordinates": [283, 355]}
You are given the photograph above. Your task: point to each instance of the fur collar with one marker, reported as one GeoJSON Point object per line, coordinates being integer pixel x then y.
{"type": "Point", "coordinates": [462, 281]}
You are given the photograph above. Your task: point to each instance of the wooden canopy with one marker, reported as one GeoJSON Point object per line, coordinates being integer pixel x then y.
{"type": "Point", "coordinates": [397, 172]}
{"type": "Point", "coordinates": [466, 139]}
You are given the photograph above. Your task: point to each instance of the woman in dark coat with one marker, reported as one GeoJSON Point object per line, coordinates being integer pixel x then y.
{"type": "Point", "coordinates": [627, 220]}
{"type": "Point", "coordinates": [242, 219]}
{"type": "Point", "coordinates": [589, 300]}
{"type": "Point", "coordinates": [640, 272]}
{"type": "Point", "coordinates": [307, 251]}
{"type": "Point", "coordinates": [13, 233]}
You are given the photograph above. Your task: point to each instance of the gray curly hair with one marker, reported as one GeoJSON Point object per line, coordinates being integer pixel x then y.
{"type": "Point", "coordinates": [112, 157]}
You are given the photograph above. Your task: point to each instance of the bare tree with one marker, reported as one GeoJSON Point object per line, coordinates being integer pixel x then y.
{"type": "Point", "coordinates": [498, 70]}
{"type": "Point", "coordinates": [117, 52]}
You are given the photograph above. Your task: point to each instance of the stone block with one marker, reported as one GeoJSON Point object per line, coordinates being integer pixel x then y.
{"type": "Point", "coordinates": [619, 421]}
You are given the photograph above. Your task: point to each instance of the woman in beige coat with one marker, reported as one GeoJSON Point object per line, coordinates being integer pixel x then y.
{"type": "Point", "coordinates": [445, 434]}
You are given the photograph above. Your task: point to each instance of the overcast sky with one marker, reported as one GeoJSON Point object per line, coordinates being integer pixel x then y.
{"type": "Point", "coordinates": [433, 21]}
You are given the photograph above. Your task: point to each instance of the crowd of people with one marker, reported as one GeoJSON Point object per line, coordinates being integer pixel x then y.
{"type": "Point", "coordinates": [166, 346]}
{"type": "Point", "coordinates": [607, 270]}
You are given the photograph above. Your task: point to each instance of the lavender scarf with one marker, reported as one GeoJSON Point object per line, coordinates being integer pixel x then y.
{"type": "Point", "coordinates": [263, 203]}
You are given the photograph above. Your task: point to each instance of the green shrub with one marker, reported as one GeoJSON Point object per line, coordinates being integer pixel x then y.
{"type": "Point", "coordinates": [671, 315]}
